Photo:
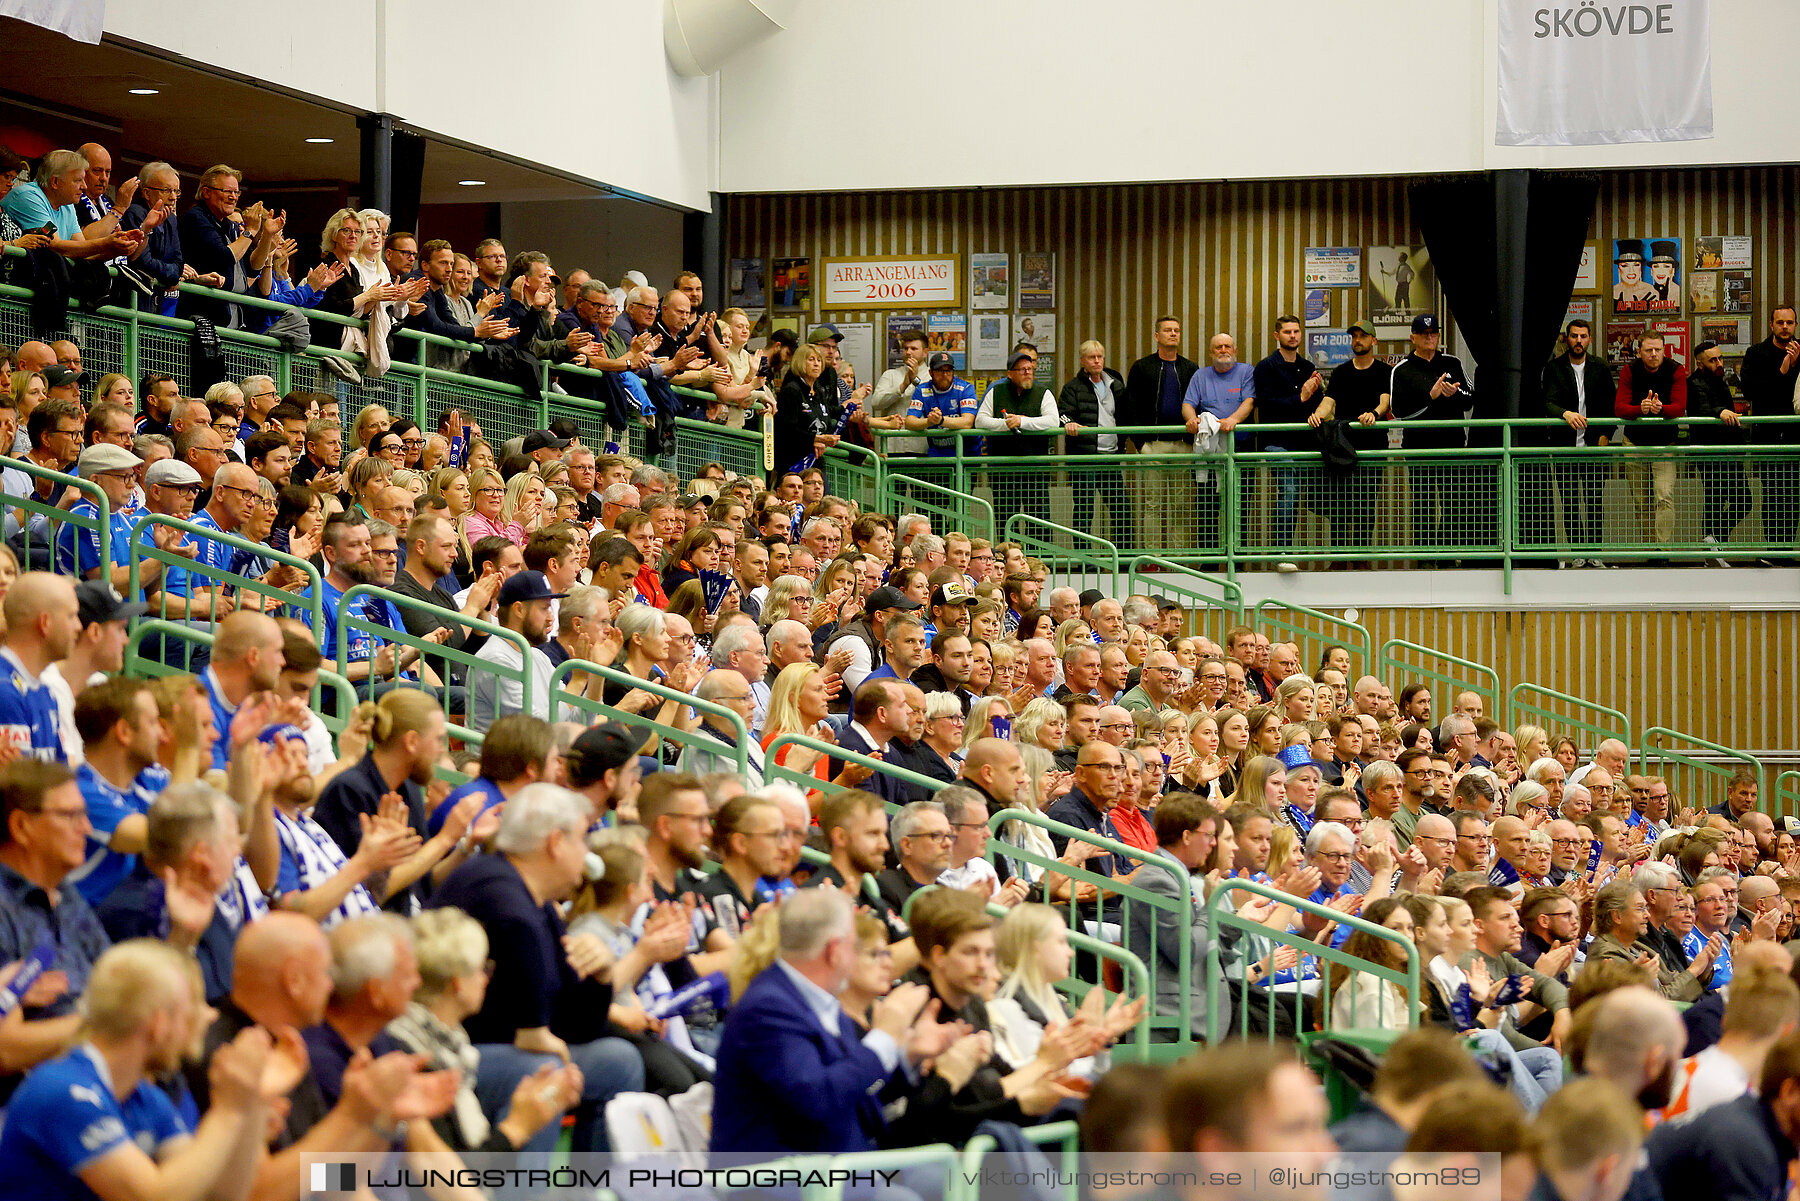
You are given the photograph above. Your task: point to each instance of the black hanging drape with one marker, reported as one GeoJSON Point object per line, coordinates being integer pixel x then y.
{"type": "Point", "coordinates": [1478, 240]}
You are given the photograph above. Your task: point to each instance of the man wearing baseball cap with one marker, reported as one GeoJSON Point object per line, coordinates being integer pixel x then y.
{"type": "Point", "coordinates": [942, 401]}
{"type": "Point", "coordinates": [1359, 393]}
{"type": "Point", "coordinates": [1024, 415]}
{"type": "Point", "coordinates": [114, 469]}
{"type": "Point", "coordinates": [862, 639]}
{"type": "Point", "coordinates": [99, 650]}
{"type": "Point", "coordinates": [542, 446]}
{"type": "Point", "coordinates": [524, 608]}
{"type": "Point", "coordinates": [64, 383]}
{"type": "Point", "coordinates": [1431, 387]}
{"type": "Point", "coordinates": [950, 603]}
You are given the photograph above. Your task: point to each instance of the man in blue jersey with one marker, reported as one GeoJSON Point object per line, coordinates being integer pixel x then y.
{"type": "Point", "coordinates": [119, 778]}
{"type": "Point", "coordinates": [78, 547]}
{"type": "Point", "coordinates": [94, 1123]}
{"type": "Point", "coordinates": [246, 659]}
{"type": "Point", "coordinates": [943, 402]}
{"type": "Point", "coordinates": [518, 750]}
{"type": "Point", "coordinates": [43, 620]}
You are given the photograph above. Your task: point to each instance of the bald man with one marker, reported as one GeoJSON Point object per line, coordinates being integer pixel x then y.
{"type": "Point", "coordinates": [1436, 839]}
{"type": "Point", "coordinates": [1755, 894]}
{"type": "Point", "coordinates": [43, 620]}
{"type": "Point", "coordinates": [1511, 837]}
{"type": "Point", "coordinates": [246, 659]}
{"type": "Point", "coordinates": [281, 981]}
{"type": "Point", "coordinates": [994, 767]}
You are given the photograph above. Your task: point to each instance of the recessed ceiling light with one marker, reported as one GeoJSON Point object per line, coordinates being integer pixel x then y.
{"type": "Point", "coordinates": [473, 183]}
{"type": "Point", "coordinates": [321, 141]}
{"type": "Point", "coordinates": [145, 91]}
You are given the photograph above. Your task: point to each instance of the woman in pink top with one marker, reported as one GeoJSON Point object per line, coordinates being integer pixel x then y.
{"type": "Point", "coordinates": [523, 509]}
{"type": "Point", "coordinates": [485, 521]}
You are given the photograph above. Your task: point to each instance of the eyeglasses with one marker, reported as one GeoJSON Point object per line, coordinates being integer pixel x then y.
{"type": "Point", "coordinates": [1334, 856]}
{"type": "Point", "coordinates": [386, 554]}
{"type": "Point", "coordinates": [250, 492]}
{"type": "Point", "coordinates": [490, 491]}
{"type": "Point", "coordinates": [226, 427]}
{"type": "Point", "coordinates": [76, 815]}
{"type": "Point", "coordinates": [210, 450]}
{"type": "Point", "coordinates": [405, 254]}
{"type": "Point", "coordinates": [1117, 725]}
{"type": "Point", "coordinates": [704, 819]}
{"type": "Point", "coordinates": [935, 836]}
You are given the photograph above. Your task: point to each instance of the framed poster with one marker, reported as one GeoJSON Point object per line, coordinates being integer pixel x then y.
{"type": "Point", "coordinates": [1037, 280]}
{"type": "Point", "coordinates": [1731, 333]}
{"type": "Point", "coordinates": [1046, 372]}
{"type": "Point", "coordinates": [906, 281]}
{"type": "Point", "coordinates": [856, 348]}
{"type": "Point", "coordinates": [1734, 292]}
{"type": "Point", "coordinates": [1587, 273]}
{"type": "Point", "coordinates": [1678, 336]}
{"type": "Point", "coordinates": [1318, 307]}
{"type": "Point", "coordinates": [1731, 253]}
{"type": "Point", "coordinates": [990, 281]}
{"type": "Point", "coordinates": [1402, 283]}
{"type": "Point", "coordinates": [792, 284]}
{"type": "Point", "coordinates": [1703, 291]}
{"type": "Point", "coordinates": [1621, 341]}
{"type": "Point", "coordinates": [988, 342]}
{"type": "Point", "coordinates": [1333, 266]}
{"type": "Point", "coordinates": [1039, 329]}
{"type": "Point", "coordinates": [785, 321]}
{"type": "Point", "coordinates": [1327, 347]}
{"type": "Point", "coordinates": [746, 285]}
{"type": "Point", "coordinates": [897, 324]}
{"type": "Point", "coordinates": [1580, 310]}
{"type": "Point", "coordinates": [948, 332]}
{"type": "Point", "coordinates": [1646, 275]}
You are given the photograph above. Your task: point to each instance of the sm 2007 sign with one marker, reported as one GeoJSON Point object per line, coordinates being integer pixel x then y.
{"type": "Point", "coordinates": [900, 282]}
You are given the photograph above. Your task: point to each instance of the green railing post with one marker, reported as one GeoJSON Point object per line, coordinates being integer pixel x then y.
{"type": "Point", "coordinates": [1507, 525]}
{"type": "Point", "coordinates": [1699, 767]}
{"type": "Point", "coordinates": [1483, 681]}
{"type": "Point", "coordinates": [1355, 633]}
{"type": "Point", "coordinates": [561, 696]}
{"type": "Point", "coordinates": [1231, 528]}
{"type": "Point", "coordinates": [1518, 708]}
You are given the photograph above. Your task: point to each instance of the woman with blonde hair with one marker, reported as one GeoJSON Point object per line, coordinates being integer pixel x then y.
{"type": "Point", "coordinates": [354, 294]}
{"type": "Point", "coordinates": [480, 455]}
{"type": "Point", "coordinates": [367, 479]}
{"type": "Point", "coordinates": [983, 712]}
{"type": "Point", "coordinates": [1262, 784]}
{"type": "Point", "coordinates": [1533, 743]}
{"type": "Point", "coordinates": [1294, 698]}
{"type": "Point", "coordinates": [1042, 722]}
{"type": "Point", "coordinates": [1035, 956]}
{"type": "Point", "coordinates": [452, 486]}
{"type": "Point", "coordinates": [1008, 659]}
{"type": "Point", "coordinates": [1234, 746]}
{"type": "Point", "coordinates": [1265, 729]}
{"type": "Point", "coordinates": [799, 705]}
{"type": "Point", "coordinates": [790, 597]}
{"type": "Point", "coordinates": [115, 388]}
{"type": "Point", "coordinates": [487, 494]}
{"type": "Point", "coordinates": [1072, 631]}
{"type": "Point", "coordinates": [522, 510]}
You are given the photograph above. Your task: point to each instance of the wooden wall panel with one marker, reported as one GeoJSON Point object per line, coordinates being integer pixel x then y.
{"type": "Point", "coordinates": [1228, 256]}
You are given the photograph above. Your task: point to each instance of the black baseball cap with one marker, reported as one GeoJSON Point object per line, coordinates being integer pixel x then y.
{"type": "Point", "coordinates": [1018, 355]}
{"type": "Point", "coordinates": [603, 748]}
{"type": "Point", "coordinates": [888, 597]}
{"type": "Point", "coordinates": [542, 440]}
{"type": "Point", "coordinates": [527, 586]}
{"type": "Point", "coordinates": [58, 376]}
{"type": "Point", "coordinates": [99, 603]}
{"type": "Point", "coordinates": [1425, 323]}
{"type": "Point", "coordinates": [1091, 596]}
{"type": "Point", "coordinates": [941, 361]}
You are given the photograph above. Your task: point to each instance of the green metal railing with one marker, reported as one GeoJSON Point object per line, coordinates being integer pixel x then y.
{"type": "Point", "coordinates": [1257, 940]}
{"type": "Point", "coordinates": [1063, 1135]}
{"type": "Point", "coordinates": [1461, 675]}
{"type": "Point", "coordinates": [56, 516]}
{"type": "Point", "coordinates": [226, 590]}
{"type": "Point", "coordinates": [1088, 562]}
{"type": "Point", "coordinates": [1130, 905]}
{"type": "Point", "coordinates": [1695, 778]}
{"type": "Point", "coordinates": [1209, 615]}
{"type": "Point", "coordinates": [1314, 630]}
{"type": "Point", "coordinates": [563, 701]}
{"type": "Point", "coordinates": [1787, 794]}
{"type": "Point", "coordinates": [947, 508]}
{"type": "Point", "coordinates": [1572, 717]}
{"type": "Point", "coordinates": [334, 717]}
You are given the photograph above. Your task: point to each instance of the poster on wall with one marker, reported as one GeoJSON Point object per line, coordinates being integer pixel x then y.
{"type": "Point", "coordinates": [1734, 291]}
{"type": "Point", "coordinates": [1731, 333]}
{"type": "Point", "coordinates": [758, 327]}
{"type": "Point", "coordinates": [1621, 341]}
{"type": "Point", "coordinates": [988, 342]}
{"type": "Point", "coordinates": [1333, 266]}
{"type": "Point", "coordinates": [990, 281]}
{"type": "Point", "coordinates": [949, 333]}
{"type": "Point", "coordinates": [857, 349]}
{"type": "Point", "coordinates": [1587, 271]}
{"type": "Point", "coordinates": [1580, 310]}
{"type": "Point", "coordinates": [1646, 275]}
{"type": "Point", "coordinates": [897, 324]}
{"type": "Point", "coordinates": [1703, 291]}
{"type": "Point", "coordinates": [1037, 280]}
{"type": "Point", "coordinates": [1402, 283]}
{"type": "Point", "coordinates": [1731, 253]}
{"type": "Point", "coordinates": [792, 284]}
{"type": "Point", "coordinates": [786, 321]}
{"type": "Point", "coordinates": [1046, 372]}
{"type": "Point", "coordinates": [747, 283]}
{"type": "Point", "coordinates": [1327, 347]}
{"type": "Point", "coordinates": [1678, 337]}
{"type": "Point", "coordinates": [1318, 307]}
{"type": "Point", "coordinates": [1039, 329]}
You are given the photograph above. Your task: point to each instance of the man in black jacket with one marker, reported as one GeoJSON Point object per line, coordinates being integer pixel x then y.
{"type": "Point", "coordinates": [1288, 391]}
{"type": "Point", "coordinates": [1577, 387]}
{"type": "Point", "coordinates": [152, 210]}
{"type": "Point", "coordinates": [1154, 387]}
{"type": "Point", "coordinates": [1093, 399]}
{"type": "Point", "coordinates": [1769, 371]}
{"type": "Point", "coordinates": [1727, 486]}
{"type": "Point", "coordinates": [1430, 386]}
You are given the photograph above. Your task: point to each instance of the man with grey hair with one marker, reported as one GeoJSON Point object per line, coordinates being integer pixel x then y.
{"type": "Point", "coordinates": [1107, 619]}
{"type": "Point", "coordinates": [152, 212]}
{"type": "Point", "coordinates": [1331, 848]}
{"type": "Point", "coordinates": [788, 642]}
{"type": "Point", "coordinates": [1458, 734]}
{"type": "Point", "coordinates": [539, 858]}
{"type": "Point", "coordinates": [793, 1073]}
{"type": "Point", "coordinates": [1621, 920]}
{"type": "Point", "coordinates": [1064, 604]}
{"type": "Point", "coordinates": [711, 752]}
{"type": "Point", "coordinates": [1081, 671]}
{"type": "Point", "coordinates": [1116, 725]}
{"type": "Point", "coordinates": [616, 499]}
{"type": "Point", "coordinates": [739, 647]}
{"type": "Point", "coordinates": [1577, 803]}
{"type": "Point", "coordinates": [1157, 686]}
{"type": "Point", "coordinates": [48, 201]}
{"type": "Point", "coordinates": [969, 868]}
{"type": "Point", "coordinates": [1662, 888]}
{"type": "Point", "coordinates": [583, 624]}
{"type": "Point", "coordinates": [650, 480]}
{"type": "Point", "coordinates": [1141, 612]}
{"type": "Point", "coordinates": [1551, 775]}
{"type": "Point", "coordinates": [922, 837]}
{"type": "Point", "coordinates": [928, 552]}
{"type": "Point", "coordinates": [1435, 839]}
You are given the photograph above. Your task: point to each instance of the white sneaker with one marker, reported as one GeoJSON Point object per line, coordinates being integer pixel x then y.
{"type": "Point", "coordinates": [1287, 568]}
